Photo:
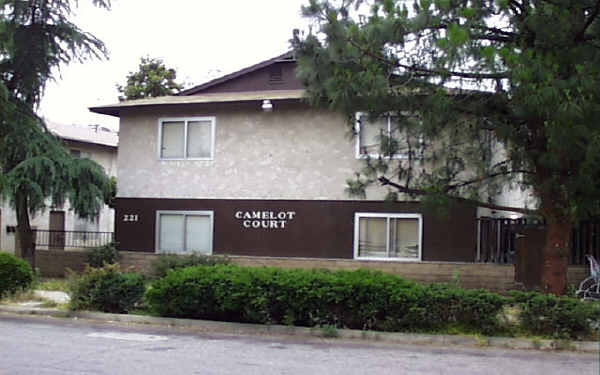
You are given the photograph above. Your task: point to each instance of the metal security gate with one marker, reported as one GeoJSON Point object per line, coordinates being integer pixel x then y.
{"type": "Point", "coordinates": [585, 241]}
{"type": "Point", "coordinates": [496, 239]}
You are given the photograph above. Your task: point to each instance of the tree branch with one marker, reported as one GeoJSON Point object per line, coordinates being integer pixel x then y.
{"type": "Point", "coordinates": [430, 72]}
{"type": "Point", "coordinates": [403, 189]}
{"type": "Point", "coordinates": [481, 179]}
{"type": "Point", "coordinates": [494, 30]}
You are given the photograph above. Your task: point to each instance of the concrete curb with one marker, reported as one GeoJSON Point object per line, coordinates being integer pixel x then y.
{"type": "Point", "coordinates": [281, 330]}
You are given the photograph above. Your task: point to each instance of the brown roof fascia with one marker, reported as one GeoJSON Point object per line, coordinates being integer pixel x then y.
{"type": "Point", "coordinates": [288, 56]}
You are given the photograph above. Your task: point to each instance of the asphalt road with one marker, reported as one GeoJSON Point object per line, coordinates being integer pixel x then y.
{"type": "Point", "coordinates": [49, 346]}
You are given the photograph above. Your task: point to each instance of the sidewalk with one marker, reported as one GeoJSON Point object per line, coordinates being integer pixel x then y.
{"type": "Point", "coordinates": [36, 308]}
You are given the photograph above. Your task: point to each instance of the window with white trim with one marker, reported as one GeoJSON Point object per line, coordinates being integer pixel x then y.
{"type": "Point", "coordinates": [184, 232]}
{"type": "Point", "coordinates": [186, 138]}
{"type": "Point", "coordinates": [382, 137]}
{"type": "Point", "coordinates": [388, 236]}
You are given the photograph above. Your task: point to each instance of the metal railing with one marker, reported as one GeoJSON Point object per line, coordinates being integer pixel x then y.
{"type": "Point", "coordinates": [496, 240]}
{"type": "Point", "coordinates": [61, 239]}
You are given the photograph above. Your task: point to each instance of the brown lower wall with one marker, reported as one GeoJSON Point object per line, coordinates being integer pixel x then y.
{"type": "Point", "coordinates": [53, 263]}
{"type": "Point", "coordinates": [318, 228]}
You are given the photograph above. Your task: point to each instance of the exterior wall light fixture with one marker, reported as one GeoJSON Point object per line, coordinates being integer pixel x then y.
{"type": "Point", "coordinates": [267, 106]}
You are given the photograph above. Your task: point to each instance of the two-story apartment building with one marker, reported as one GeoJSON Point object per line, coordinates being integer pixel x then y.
{"type": "Point", "coordinates": [96, 143]}
{"type": "Point", "coordinates": [242, 165]}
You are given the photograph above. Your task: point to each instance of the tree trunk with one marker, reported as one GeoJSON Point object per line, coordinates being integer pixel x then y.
{"type": "Point", "coordinates": [26, 241]}
{"type": "Point", "coordinates": [555, 255]}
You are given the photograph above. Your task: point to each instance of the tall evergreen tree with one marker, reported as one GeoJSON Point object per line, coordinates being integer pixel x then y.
{"type": "Point", "coordinates": [36, 36]}
{"type": "Point", "coordinates": [152, 79]}
{"type": "Point", "coordinates": [526, 72]}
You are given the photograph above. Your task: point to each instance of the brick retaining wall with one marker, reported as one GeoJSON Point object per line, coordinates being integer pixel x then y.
{"type": "Point", "coordinates": [470, 275]}
{"type": "Point", "coordinates": [53, 263]}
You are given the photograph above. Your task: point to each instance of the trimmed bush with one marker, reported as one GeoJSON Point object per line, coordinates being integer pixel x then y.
{"type": "Point", "coordinates": [106, 289]}
{"type": "Point", "coordinates": [558, 317]}
{"type": "Point", "coordinates": [15, 274]}
{"type": "Point", "coordinates": [163, 263]}
{"type": "Point", "coordinates": [107, 254]}
{"type": "Point", "coordinates": [360, 299]}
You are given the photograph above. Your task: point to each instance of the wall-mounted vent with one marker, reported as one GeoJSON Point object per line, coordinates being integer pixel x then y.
{"type": "Point", "coordinates": [275, 74]}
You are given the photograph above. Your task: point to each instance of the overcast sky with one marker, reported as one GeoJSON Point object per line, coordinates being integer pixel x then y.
{"type": "Point", "coordinates": [201, 39]}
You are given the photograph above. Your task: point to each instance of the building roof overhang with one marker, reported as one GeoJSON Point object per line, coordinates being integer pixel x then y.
{"type": "Point", "coordinates": [227, 97]}
{"type": "Point", "coordinates": [96, 135]}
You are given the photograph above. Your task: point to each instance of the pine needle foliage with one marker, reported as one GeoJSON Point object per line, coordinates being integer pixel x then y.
{"type": "Point", "coordinates": [518, 74]}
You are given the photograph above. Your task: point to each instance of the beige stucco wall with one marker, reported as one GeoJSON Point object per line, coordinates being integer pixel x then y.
{"type": "Point", "coordinates": [293, 152]}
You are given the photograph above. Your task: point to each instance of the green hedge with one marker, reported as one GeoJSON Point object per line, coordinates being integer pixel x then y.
{"type": "Point", "coordinates": [359, 299]}
{"type": "Point", "coordinates": [101, 255]}
{"type": "Point", "coordinates": [106, 289]}
{"type": "Point", "coordinates": [559, 317]}
{"type": "Point", "coordinates": [15, 274]}
{"type": "Point", "coordinates": [166, 262]}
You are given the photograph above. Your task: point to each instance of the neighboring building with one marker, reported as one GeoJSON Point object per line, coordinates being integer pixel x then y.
{"type": "Point", "coordinates": [94, 142]}
{"type": "Point", "coordinates": [241, 165]}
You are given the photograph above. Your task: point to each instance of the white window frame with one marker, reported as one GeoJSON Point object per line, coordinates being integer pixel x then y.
{"type": "Point", "coordinates": [186, 120]}
{"type": "Point", "coordinates": [388, 216]}
{"type": "Point", "coordinates": [210, 214]}
{"type": "Point", "coordinates": [360, 155]}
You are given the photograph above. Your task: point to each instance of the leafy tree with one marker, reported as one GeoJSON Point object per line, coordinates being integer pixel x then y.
{"type": "Point", "coordinates": [526, 72]}
{"type": "Point", "coordinates": [36, 36]}
{"type": "Point", "coordinates": [151, 80]}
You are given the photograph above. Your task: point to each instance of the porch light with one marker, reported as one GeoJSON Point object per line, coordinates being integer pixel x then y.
{"type": "Point", "coordinates": [267, 106]}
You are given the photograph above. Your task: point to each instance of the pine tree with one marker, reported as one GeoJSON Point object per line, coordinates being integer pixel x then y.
{"type": "Point", "coordinates": [36, 36]}
{"type": "Point", "coordinates": [524, 72]}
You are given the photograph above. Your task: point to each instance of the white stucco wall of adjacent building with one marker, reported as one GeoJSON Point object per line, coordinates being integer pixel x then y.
{"type": "Point", "coordinates": [104, 155]}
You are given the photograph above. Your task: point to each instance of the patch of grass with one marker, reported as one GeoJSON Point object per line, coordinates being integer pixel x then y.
{"type": "Point", "coordinates": [50, 304]}
{"type": "Point", "coordinates": [482, 340]}
{"type": "Point", "coordinates": [563, 345]}
{"type": "Point", "coordinates": [329, 331]}
{"type": "Point", "coordinates": [19, 297]}
{"type": "Point", "coordinates": [465, 330]}
{"type": "Point", "coordinates": [142, 311]}
{"type": "Point", "coordinates": [52, 284]}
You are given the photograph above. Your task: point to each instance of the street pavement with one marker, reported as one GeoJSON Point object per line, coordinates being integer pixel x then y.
{"type": "Point", "coordinates": [48, 346]}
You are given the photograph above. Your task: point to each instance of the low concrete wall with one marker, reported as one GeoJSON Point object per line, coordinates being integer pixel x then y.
{"type": "Point", "coordinates": [577, 273]}
{"type": "Point", "coordinates": [469, 275]}
{"type": "Point", "coordinates": [55, 263]}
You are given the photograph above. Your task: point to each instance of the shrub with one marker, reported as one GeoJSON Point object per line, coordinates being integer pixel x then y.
{"type": "Point", "coordinates": [559, 317]}
{"type": "Point", "coordinates": [106, 289]}
{"type": "Point", "coordinates": [15, 274]}
{"type": "Point", "coordinates": [107, 254]}
{"type": "Point", "coordinates": [358, 299]}
{"type": "Point", "coordinates": [163, 263]}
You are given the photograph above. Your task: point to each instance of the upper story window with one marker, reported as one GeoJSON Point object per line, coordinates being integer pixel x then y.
{"type": "Point", "coordinates": [382, 137]}
{"type": "Point", "coordinates": [186, 138]}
